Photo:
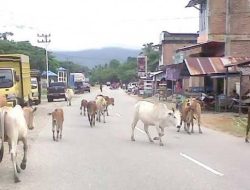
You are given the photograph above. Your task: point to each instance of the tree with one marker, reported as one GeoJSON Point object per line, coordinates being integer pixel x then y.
{"type": "Point", "coordinates": [152, 53]}
{"type": "Point", "coordinates": [5, 35]}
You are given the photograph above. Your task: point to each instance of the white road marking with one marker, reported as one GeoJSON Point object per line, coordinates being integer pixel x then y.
{"type": "Point", "coordinates": [118, 114]}
{"type": "Point", "coordinates": [140, 130]}
{"type": "Point", "coordinates": [202, 165]}
{"type": "Point", "coordinates": [135, 127]}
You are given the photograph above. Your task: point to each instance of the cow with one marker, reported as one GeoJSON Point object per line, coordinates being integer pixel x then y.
{"type": "Point", "coordinates": [69, 95]}
{"type": "Point", "coordinates": [155, 114]}
{"type": "Point", "coordinates": [190, 109]}
{"type": "Point", "coordinates": [83, 106]}
{"type": "Point", "coordinates": [3, 101]}
{"type": "Point", "coordinates": [101, 107]}
{"type": "Point", "coordinates": [57, 122]}
{"type": "Point", "coordinates": [110, 101]}
{"type": "Point", "coordinates": [14, 126]}
{"type": "Point", "coordinates": [91, 110]}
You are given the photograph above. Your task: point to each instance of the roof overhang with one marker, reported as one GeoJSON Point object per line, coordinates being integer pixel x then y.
{"type": "Point", "coordinates": [216, 66]}
{"type": "Point", "coordinates": [210, 44]}
{"type": "Point", "coordinates": [193, 3]}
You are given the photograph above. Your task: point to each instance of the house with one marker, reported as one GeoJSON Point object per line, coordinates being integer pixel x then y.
{"type": "Point", "coordinates": [169, 43]}
{"type": "Point", "coordinates": [224, 39]}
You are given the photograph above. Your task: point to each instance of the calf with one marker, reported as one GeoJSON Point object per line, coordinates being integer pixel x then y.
{"type": "Point", "coordinates": [110, 101]}
{"type": "Point", "coordinates": [69, 95]}
{"type": "Point", "coordinates": [83, 106]}
{"type": "Point", "coordinates": [14, 126]}
{"type": "Point", "coordinates": [190, 109]}
{"type": "Point", "coordinates": [57, 122]}
{"type": "Point", "coordinates": [91, 110]}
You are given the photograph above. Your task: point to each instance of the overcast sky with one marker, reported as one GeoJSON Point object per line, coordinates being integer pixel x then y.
{"type": "Point", "coordinates": [87, 24]}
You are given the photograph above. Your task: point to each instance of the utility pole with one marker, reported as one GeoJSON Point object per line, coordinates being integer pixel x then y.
{"type": "Point", "coordinates": [46, 41]}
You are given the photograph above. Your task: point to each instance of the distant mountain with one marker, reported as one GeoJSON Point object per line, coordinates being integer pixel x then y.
{"type": "Point", "coordinates": [93, 57]}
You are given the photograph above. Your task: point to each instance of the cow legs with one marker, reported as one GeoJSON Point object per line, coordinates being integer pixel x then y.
{"type": "Point", "coordinates": [25, 149]}
{"type": "Point", "coordinates": [199, 124]}
{"type": "Point", "coordinates": [179, 126]}
{"type": "Point", "coordinates": [81, 110]}
{"type": "Point", "coordinates": [160, 135]}
{"type": "Point", "coordinates": [90, 119]}
{"type": "Point", "coordinates": [93, 119]}
{"type": "Point", "coordinates": [146, 130]}
{"type": "Point", "coordinates": [103, 114]}
{"type": "Point", "coordinates": [133, 128]}
{"type": "Point", "coordinates": [61, 128]}
{"type": "Point", "coordinates": [53, 129]}
{"type": "Point", "coordinates": [13, 159]}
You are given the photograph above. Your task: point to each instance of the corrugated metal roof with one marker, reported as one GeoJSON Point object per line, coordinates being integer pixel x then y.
{"type": "Point", "coordinates": [216, 65]}
{"type": "Point", "coordinates": [205, 65]}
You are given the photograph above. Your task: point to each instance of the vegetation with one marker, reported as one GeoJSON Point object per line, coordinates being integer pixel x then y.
{"type": "Point", "coordinates": [125, 72]}
{"type": "Point", "coordinates": [37, 56]}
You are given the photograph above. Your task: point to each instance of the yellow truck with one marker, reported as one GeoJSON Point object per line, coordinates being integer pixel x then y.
{"type": "Point", "coordinates": [15, 79]}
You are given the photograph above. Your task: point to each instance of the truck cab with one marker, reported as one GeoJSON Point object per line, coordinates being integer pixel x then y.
{"type": "Point", "coordinates": [15, 81]}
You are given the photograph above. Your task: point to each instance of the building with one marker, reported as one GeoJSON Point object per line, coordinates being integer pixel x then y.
{"type": "Point", "coordinates": [224, 38]}
{"type": "Point", "coordinates": [170, 42]}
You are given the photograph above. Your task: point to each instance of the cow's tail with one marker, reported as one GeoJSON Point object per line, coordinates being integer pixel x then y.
{"type": "Point", "coordinates": [2, 116]}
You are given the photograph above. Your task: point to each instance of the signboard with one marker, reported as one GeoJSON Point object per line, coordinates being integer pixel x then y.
{"type": "Point", "coordinates": [141, 66]}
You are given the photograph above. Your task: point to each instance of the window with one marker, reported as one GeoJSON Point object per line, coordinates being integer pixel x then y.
{"type": "Point", "coordinates": [6, 78]}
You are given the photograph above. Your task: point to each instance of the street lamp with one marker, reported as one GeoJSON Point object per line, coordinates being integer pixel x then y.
{"type": "Point", "coordinates": [46, 41]}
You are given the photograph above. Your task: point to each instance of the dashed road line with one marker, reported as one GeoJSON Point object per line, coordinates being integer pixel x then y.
{"type": "Point", "coordinates": [202, 165]}
{"type": "Point", "coordinates": [140, 130]}
{"type": "Point", "coordinates": [119, 115]}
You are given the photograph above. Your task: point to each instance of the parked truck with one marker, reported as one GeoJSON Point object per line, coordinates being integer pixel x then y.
{"type": "Point", "coordinates": [77, 82]}
{"type": "Point", "coordinates": [15, 79]}
{"type": "Point", "coordinates": [35, 86]}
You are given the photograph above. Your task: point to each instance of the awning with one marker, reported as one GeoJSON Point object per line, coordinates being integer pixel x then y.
{"type": "Point", "coordinates": [205, 65]}
{"type": "Point", "coordinates": [173, 71]}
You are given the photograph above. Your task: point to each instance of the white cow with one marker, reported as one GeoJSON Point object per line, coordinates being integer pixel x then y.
{"type": "Point", "coordinates": [101, 107]}
{"type": "Point", "coordinates": [155, 114]}
{"type": "Point", "coordinates": [69, 95]}
{"type": "Point", "coordinates": [14, 128]}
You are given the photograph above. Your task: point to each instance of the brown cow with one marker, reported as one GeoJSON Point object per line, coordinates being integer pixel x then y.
{"type": "Point", "coordinates": [190, 109]}
{"type": "Point", "coordinates": [57, 122]}
{"type": "Point", "coordinates": [91, 109]}
{"type": "Point", "coordinates": [83, 106]}
{"type": "Point", "coordinates": [110, 101]}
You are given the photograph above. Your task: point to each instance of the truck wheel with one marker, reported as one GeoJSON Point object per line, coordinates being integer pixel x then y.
{"type": "Point", "coordinates": [37, 102]}
{"type": "Point", "coordinates": [50, 99]}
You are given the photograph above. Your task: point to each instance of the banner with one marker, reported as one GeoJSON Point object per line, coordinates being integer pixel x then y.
{"type": "Point", "coordinates": [142, 65]}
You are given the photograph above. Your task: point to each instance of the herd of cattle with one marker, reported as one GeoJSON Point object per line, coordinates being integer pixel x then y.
{"type": "Point", "coordinates": [15, 122]}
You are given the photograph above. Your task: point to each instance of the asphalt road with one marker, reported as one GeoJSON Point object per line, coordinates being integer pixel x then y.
{"type": "Point", "coordinates": [104, 158]}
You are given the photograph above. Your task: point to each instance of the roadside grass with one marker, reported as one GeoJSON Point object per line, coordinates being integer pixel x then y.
{"type": "Point", "coordinates": [226, 122]}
